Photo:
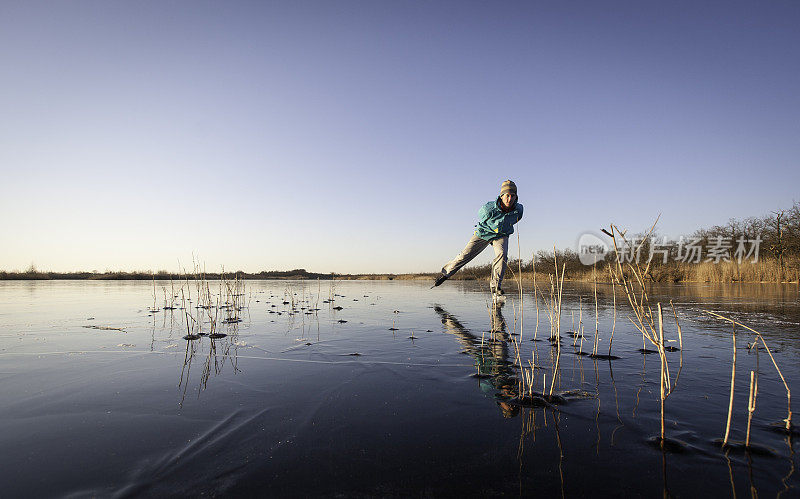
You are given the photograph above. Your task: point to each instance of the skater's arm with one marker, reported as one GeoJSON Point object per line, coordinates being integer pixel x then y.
{"type": "Point", "coordinates": [483, 213]}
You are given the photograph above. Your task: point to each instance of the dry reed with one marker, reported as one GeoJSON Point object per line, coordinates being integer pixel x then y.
{"type": "Point", "coordinates": [519, 284]}
{"type": "Point", "coordinates": [639, 300]}
{"type": "Point", "coordinates": [759, 336]}
{"type": "Point", "coordinates": [751, 404]}
{"type": "Point", "coordinates": [596, 316]}
{"type": "Point", "coordinates": [614, 322]}
{"type": "Point", "coordinates": [730, 402]}
{"type": "Point", "coordinates": [535, 296]}
{"type": "Point", "coordinates": [557, 331]}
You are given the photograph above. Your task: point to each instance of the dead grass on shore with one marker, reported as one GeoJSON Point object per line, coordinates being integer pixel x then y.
{"type": "Point", "coordinates": [765, 270]}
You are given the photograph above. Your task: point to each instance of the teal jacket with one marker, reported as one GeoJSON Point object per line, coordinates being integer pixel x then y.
{"type": "Point", "coordinates": [494, 223]}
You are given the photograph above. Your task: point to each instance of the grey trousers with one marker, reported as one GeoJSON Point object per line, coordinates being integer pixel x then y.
{"type": "Point", "coordinates": [473, 249]}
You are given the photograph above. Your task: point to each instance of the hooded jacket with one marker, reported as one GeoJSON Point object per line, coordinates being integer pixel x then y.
{"type": "Point", "coordinates": [494, 223]}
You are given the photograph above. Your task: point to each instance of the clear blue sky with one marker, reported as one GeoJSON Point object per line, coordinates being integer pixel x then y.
{"type": "Point", "coordinates": [363, 136]}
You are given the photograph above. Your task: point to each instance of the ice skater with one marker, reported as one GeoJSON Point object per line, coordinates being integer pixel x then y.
{"type": "Point", "coordinates": [496, 221]}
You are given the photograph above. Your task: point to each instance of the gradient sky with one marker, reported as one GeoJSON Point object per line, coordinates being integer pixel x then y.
{"type": "Point", "coordinates": [363, 136]}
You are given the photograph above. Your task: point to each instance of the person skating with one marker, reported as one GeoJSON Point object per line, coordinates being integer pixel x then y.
{"type": "Point", "coordinates": [496, 221]}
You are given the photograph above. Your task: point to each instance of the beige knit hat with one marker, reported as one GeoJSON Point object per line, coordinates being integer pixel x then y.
{"type": "Point", "coordinates": [508, 186]}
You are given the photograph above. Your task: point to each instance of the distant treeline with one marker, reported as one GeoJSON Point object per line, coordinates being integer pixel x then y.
{"type": "Point", "coordinates": [162, 275]}
{"type": "Point", "coordinates": [32, 273]}
{"type": "Point", "coordinates": [722, 253]}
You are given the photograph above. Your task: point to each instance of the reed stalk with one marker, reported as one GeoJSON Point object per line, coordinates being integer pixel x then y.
{"type": "Point", "coordinates": [535, 296]}
{"type": "Point", "coordinates": [575, 332]}
{"type": "Point", "coordinates": [518, 359]}
{"type": "Point", "coordinates": [558, 329]}
{"type": "Point", "coordinates": [572, 314]}
{"type": "Point", "coordinates": [579, 332]}
{"type": "Point", "coordinates": [155, 309]}
{"type": "Point", "coordinates": [730, 401]}
{"type": "Point", "coordinates": [551, 307]}
{"type": "Point", "coordinates": [186, 314]}
{"type": "Point", "coordinates": [519, 280]}
{"type": "Point", "coordinates": [663, 365]}
{"type": "Point", "coordinates": [680, 333]}
{"type": "Point", "coordinates": [614, 323]}
{"type": "Point", "coordinates": [788, 420]}
{"type": "Point", "coordinates": [751, 404]}
{"type": "Point", "coordinates": [639, 300]}
{"type": "Point", "coordinates": [548, 307]}
{"type": "Point", "coordinates": [596, 315]}
{"type": "Point", "coordinates": [554, 297]}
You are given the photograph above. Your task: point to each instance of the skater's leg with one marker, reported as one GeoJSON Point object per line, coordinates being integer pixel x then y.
{"type": "Point", "coordinates": [500, 246]}
{"type": "Point", "coordinates": [470, 251]}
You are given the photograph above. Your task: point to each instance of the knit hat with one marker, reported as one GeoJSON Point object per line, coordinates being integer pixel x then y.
{"type": "Point", "coordinates": [508, 186]}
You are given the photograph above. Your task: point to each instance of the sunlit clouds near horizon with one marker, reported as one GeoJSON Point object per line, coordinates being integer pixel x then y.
{"type": "Point", "coordinates": [364, 136]}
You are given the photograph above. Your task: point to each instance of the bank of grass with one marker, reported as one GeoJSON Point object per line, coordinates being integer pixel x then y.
{"type": "Point", "coordinates": [766, 269]}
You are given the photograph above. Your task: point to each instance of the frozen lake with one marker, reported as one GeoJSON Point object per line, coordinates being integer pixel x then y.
{"type": "Point", "coordinates": [100, 396]}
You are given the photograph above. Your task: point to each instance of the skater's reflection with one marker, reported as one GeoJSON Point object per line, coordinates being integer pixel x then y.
{"type": "Point", "coordinates": [490, 351]}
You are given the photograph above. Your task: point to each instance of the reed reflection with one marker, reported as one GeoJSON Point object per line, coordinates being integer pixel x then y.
{"type": "Point", "coordinates": [222, 349]}
{"type": "Point", "coordinates": [785, 479]}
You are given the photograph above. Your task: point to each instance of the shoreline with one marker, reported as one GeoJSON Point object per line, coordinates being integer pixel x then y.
{"type": "Point", "coordinates": [299, 274]}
